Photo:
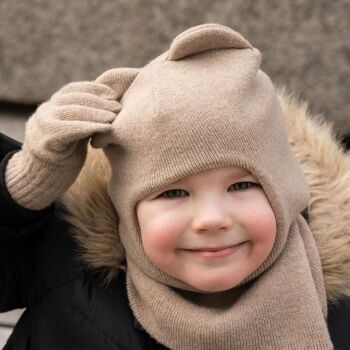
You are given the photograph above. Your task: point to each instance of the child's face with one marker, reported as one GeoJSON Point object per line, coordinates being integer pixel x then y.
{"type": "Point", "coordinates": [210, 230]}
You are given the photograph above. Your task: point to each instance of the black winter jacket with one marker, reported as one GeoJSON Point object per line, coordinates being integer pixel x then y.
{"type": "Point", "coordinates": [67, 306]}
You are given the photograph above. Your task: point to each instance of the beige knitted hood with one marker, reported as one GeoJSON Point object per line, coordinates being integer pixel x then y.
{"type": "Point", "coordinates": [324, 163]}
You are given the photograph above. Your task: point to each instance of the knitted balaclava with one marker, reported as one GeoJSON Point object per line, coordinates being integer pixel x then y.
{"type": "Point", "coordinates": [205, 104]}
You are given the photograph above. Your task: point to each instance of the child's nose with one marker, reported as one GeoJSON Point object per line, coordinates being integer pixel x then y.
{"type": "Point", "coordinates": [211, 218]}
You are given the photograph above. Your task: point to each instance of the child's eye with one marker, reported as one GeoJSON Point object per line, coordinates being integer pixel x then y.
{"type": "Point", "coordinates": [173, 193]}
{"type": "Point", "coordinates": [239, 186]}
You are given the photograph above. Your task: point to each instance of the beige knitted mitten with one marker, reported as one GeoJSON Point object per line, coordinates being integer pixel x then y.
{"type": "Point", "coordinates": [55, 143]}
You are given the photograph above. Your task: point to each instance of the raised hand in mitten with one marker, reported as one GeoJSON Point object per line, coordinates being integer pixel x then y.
{"type": "Point", "coordinates": [55, 142]}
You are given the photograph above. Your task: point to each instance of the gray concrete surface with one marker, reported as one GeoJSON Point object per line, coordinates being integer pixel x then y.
{"type": "Point", "coordinates": [4, 334]}
{"type": "Point", "coordinates": [46, 44]}
{"type": "Point", "coordinates": [11, 317]}
{"type": "Point", "coordinates": [7, 320]}
{"type": "Point", "coordinates": [12, 125]}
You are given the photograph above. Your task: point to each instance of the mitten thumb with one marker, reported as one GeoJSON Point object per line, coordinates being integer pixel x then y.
{"type": "Point", "coordinates": [102, 140]}
{"type": "Point", "coordinates": [118, 79]}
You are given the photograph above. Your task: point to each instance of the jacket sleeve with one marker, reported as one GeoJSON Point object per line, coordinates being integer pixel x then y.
{"type": "Point", "coordinates": [35, 249]}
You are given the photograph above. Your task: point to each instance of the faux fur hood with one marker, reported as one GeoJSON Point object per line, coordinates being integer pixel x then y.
{"type": "Point", "coordinates": [325, 165]}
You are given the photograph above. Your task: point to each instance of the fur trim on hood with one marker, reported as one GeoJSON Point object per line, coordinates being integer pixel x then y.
{"type": "Point", "coordinates": [325, 165]}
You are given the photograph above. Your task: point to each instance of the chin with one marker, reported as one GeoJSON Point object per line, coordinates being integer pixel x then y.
{"type": "Point", "coordinates": [215, 286]}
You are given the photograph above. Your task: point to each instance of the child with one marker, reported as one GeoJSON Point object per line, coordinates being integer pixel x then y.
{"type": "Point", "coordinates": [207, 196]}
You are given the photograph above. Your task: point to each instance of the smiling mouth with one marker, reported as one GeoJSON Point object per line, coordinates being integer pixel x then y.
{"type": "Point", "coordinates": [215, 252]}
{"type": "Point", "coordinates": [214, 249]}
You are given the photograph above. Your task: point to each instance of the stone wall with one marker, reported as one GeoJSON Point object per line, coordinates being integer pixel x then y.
{"type": "Point", "coordinates": [44, 44]}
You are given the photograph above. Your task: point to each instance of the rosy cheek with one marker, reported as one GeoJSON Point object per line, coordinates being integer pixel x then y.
{"type": "Point", "coordinates": [262, 224]}
{"type": "Point", "coordinates": [159, 243]}
{"type": "Point", "coordinates": [266, 227]}
{"type": "Point", "coordinates": [160, 236]}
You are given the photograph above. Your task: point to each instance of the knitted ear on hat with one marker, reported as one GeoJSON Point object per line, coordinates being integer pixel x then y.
{"type": "Point", "coordinates": [205, 37]}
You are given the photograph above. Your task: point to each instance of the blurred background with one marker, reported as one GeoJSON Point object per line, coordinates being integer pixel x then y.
{"type": "Point", "coordinates": [46, 44]}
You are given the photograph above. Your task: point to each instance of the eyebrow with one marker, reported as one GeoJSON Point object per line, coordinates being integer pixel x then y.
{"type": "Point", "coordinates": [239, 172]}
{"type": "Point", "coordinates": [236, 173]}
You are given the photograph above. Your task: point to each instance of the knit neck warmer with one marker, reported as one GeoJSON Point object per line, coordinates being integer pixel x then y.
{"type": "Point", "coordinates": [205, 104]}
{"type": "Point", "coordinates": [284, 308]}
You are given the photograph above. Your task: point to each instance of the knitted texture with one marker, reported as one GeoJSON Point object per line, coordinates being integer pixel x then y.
{"type": "Point", "coordinates": [205, 104]}
{"type": "Point", "coordinates": [56, 137]}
